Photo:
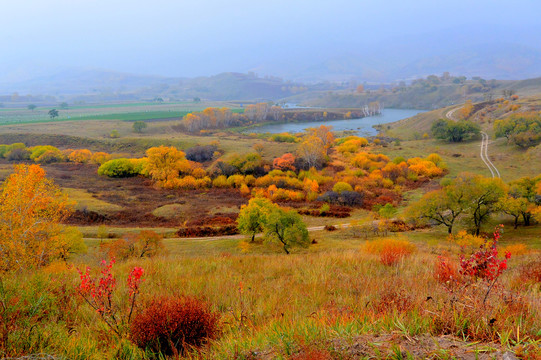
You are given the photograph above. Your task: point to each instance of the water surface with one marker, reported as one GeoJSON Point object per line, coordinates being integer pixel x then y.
{"type": "Point", "coordinates": [362, 126]}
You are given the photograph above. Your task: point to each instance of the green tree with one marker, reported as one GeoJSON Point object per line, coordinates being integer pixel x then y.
{"type": "Point", "coordinates": [252, 217]}
{"type": "Point", "coordinates": [514, 207]}
{"type": "Point", "coordinates": [524, 191]}
{"type": "Point", "coordinates": [454, 131]}
{"type": "Point", "coordinates": [31, 107]}
{"type": "Point", "coordinates": [287, 228]}
{"type": "Point", "coordinates": [483, 196]}
{"type": "Point", "coordinates": [53, 113]}
{"type": "Point", "coordinates": [64, 105]}
{"type": "Point", "coordinates": [139, 126]}
{"type": "Point", "coordinates": [442, 206]}
{"type": "Point", "coordinates": [114, 134]}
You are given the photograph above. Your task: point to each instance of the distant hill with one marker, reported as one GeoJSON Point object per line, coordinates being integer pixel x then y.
{"type": "Point", "coordinates": [101, 85]}
{"type": "Point", "coordinates": [430, 93]}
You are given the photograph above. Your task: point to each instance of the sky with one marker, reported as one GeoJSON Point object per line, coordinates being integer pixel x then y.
{"type": "Point", "coordinates": [204, 37]}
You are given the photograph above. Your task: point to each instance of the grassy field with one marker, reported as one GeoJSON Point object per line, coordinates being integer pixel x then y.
{"type": "Point", "coordinates": [335, 299]}
{"type": "Point", "coordinates": [122, 111]}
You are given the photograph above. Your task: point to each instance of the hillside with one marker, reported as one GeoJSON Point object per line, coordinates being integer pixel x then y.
{"type": "Point", "coordinates": [432, 92]}
{"type": "Point", "coordinates": [416, 126]}
{"type": "Point", "coordinates": [99, 85]}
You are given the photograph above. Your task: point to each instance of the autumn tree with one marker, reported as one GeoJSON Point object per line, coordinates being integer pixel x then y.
{"type": "Point", "coordinates": [325, 134]}
{"type": "Point", "coordinates": [287, 228]}
{"type": "Point", "coordinates": [165, 164]}
{"type": "Point", "coordinates": [522, 198]}
{"type": "Point", "coordinates": [31, 209]}
{"type": "Point", "coordinates": [285, 162]}
{"type": "Point", "coordinates": [252, 217]}
{"type": "Point", "coordinates": [312, 151]}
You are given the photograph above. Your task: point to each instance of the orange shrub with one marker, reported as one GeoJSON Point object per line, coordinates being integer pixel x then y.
{"type": "Point", "coordinates": [285, 162]}
{"type": "Point", "coordinates": [100, 158]}
{"type": "Point", "coordinates": [81, 156]}
{"type": "Point", "coordinates": [173, 325]}
{"type": "Point", "coordinates": [391, 251]}
{"type": "Point", "coordinates": [446, 271]}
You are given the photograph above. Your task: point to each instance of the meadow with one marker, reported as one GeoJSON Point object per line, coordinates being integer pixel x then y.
{"type": "Point", "coordinates": [361, 289]}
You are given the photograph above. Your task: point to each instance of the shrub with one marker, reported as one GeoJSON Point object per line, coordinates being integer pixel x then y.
{"type": "Point", "coordinates": [391, 251]}
{"type": "Point", "coordinates": [171, 325]}
{"type": "Point", "coordinates": [80, 156]}
{"type": "Point", "coordinates": [220, 182]}
{"type": "Point", "coordinates": [100, 158]}
{"type": "Point", "coordinates": [284, 137]}
{"type": "Point", "coordinates": [50, 156]}
{"type": "Point", "coordinates": [37, 151]}
{"type": "Point", "coordinates": [339, 187]}
{"type": "Point", "coordinates": [201, 153]}
{"type": "Point", "coordinates": [446, 271]}
{"type": "Point", "coordinates": [18, 154]}
{"type": "Point", "coordinates": [118, 168]}
{"type": "Point", "coordinates": [146, 243]}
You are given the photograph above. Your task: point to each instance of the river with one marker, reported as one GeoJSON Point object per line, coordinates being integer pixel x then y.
{"type": "Point", "coordinates": [362, 126]}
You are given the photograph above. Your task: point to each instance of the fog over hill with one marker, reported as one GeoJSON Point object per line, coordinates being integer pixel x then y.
{"type": "Point", "coordinates": [58, 48]}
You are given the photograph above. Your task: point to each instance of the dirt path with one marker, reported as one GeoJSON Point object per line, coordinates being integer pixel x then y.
{"type": "Point", "coordinates": [484, 146]}
{"type": "Point", "coordinates": [484, 155]}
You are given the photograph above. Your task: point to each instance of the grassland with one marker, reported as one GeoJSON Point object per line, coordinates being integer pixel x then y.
{"type": "Point", "coordinates": [332, 300]}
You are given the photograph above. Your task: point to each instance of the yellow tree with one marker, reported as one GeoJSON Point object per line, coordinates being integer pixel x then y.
{"type": "Point", "coordinates": [31, 209]}
{"type": "Point", "coordinates": [325, 134]}
{"type": "Point", "coordinates": [165, 164]}
{"type": "Point", "coordinates": [312, 151]}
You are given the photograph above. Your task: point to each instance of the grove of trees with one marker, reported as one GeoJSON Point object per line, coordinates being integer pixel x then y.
{"type": "Point", "coordinates": [473, 199]}
{"type": "Point", "coordinates": [454, 131]}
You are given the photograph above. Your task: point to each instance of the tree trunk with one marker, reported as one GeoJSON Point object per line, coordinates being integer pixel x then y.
{"type": "Point", "coordinates": [526, 218]}
{"type": "Point", "coordinates": [253, 237]}
{"type": "Point", "coordinates": [516, 222]}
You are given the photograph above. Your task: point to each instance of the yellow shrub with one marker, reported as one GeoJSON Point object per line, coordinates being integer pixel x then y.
{"type": "Point", "coordinates": [515, 249]}
{"type": "Point", "coordinates": [469, 241]}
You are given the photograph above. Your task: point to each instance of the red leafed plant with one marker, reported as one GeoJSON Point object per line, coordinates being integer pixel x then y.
{"type": "Point", "coordinates": [484, 264]}
{"type": "Point", "coordinates": [171, 325]}
{"type": "Point", "coordinates": [98, 293]}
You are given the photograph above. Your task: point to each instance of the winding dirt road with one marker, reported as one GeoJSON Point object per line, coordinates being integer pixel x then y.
{"type": "Point", "coordinates": [484, 146]}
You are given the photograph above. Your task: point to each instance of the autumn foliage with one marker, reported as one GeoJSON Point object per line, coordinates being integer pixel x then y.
{"type": "Point", "coordinates": [31, 209]}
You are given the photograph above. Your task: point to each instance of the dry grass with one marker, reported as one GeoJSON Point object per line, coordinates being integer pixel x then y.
{"type": "Point", "coordinates": [276, 304]}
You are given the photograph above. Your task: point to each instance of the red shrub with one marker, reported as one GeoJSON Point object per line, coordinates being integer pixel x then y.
{"type": "Point", "coordinates": [203, 231]}
{"type": "Point", "coordinates": [171, 325]}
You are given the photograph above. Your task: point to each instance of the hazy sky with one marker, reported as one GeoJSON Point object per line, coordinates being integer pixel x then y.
{"type": "Point", "coordinates": [201, 37]}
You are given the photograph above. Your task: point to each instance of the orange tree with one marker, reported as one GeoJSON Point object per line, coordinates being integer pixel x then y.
{"type": "Point", "coordinates": [31, 209]}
